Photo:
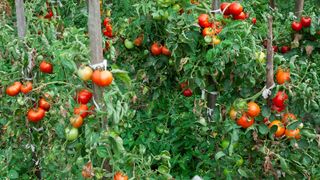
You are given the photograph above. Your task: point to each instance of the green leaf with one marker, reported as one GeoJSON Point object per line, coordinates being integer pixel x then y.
{"type": "Point", "coordinates": [243, 173]}
{"type": "Point", "coordinates": [13, 174]}
{"type": "Point", "coordinates": [102, 152]}
{"type": "Point", "coordinates": [219, 155]}
{"type": "Point", "coordinates": [293, 125]}
{"type": "Point", "coordinates": [266, 112]}
{"type": "Point", "coordinates": [263, 129]}
{"type": "Point", "coordinates": [163, 169]}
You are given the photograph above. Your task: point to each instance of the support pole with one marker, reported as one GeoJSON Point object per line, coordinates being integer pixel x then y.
{"type": "Point", "coordinates": [298, 8]}
{"type": "Point", "coordinates": [21, 20]}
{"type": "Point", "coordinates": [270, 80]}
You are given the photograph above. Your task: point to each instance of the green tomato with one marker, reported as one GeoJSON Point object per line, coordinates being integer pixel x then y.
{"type": "Point", "coordinates": [176, 7]}
{"type": "Point", "coordinates": [208, 39]}
{"type": "Point", "coordinates": [240, 161]}
{"type": "Point", "coordinates": [71, 134]}
{"type": "Point", "coordinates": [260, 57]}
{"type": "Point", "coordinates": [156, 16]}
{"type": "Point", "coordinates": [39, 58]}
{"type": "Point", "coordinates": [240, 104]}
{"type": "Point", "coordinates": [128, 44]}
{"type": "Point", "coordinates": [165, 15]}
{"type": "Point", "coordinates": [226, 172]}
{"type": "Point", "coordinates": [160, 129]}
{"type": "Point", "coordinates": [225, 144]}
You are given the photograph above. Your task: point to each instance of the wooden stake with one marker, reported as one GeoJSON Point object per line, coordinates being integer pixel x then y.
{"type": "Point", "coordinates": [21, 20]}
{"type": "Point", "coordinates": [269, 68]}
{"type": "Point", "coordinates": [273, 4]}
{"type": "Point", "coordinates": [298, 8]}
{"type": "Point", "coordinates": [215, 4]}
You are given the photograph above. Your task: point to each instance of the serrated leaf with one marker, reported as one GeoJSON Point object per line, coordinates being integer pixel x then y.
{"type": "Point", "coordinates": [219, 155]}
{"type": "Point", "coordinates": [102, 152]}
{"type": "Point", "coordinates": [243, 173]}
{"type": "Point", "coordinates": [263, 129]}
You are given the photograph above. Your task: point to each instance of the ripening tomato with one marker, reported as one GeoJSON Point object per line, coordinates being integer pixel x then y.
{"type": "Point", "coordinates": [208, 31]}
{"type": "Point", "coordinates": [46, 67]}
{"type": "Point", "coordinates": [107, 33]}
{"type": "Point", "coordinates": [203, 20]}
{"type": "Point", "coordinates": [235, 8]}
{"type": "Point", "coordinates": [35, 115]}
{"type": "Point", "coordinates": [275, 48]}
{"type": "Point", "coordinates": [223, 6]}
{"type": "Point", "coordinates": [187, 92]}
{"type": "Point", "coordinates": [280, 99]}
{"type": "Point", "coordinates": [85, 73]}
{"type": "Point", "coordinates": [245, 121]}
{"type": "Point", "coordinates": [165, 51]}
{"type": "Point", "coordinates": [45, 105]}
{"type": "Point", "coordinates": [138, 41]}
{"type": "Point", "coordinates": [26, 88]}
{"type": "Point", "coordinates": [254, 20]}
{"type": "Point", "coordinates": [76, 121]}
{"type": "Point", "coordinates": [184, 85]}
{"type": "Point", "coordinates": [253, 109]}
{"type": "Point", "coordinates": [84, 96]}
{"type": "Point", "coordinates": [49, 15]}
{"type": "Point", "coordinates": [277, 108]}
{"type": "Point", "coordinates": [305, 21]}
{"type": "Point", "coordinates": [14, 89]}
{"type": "Point", "coordinates": [81, 110]}
{"type": "Point", "coordinates": [295, 133]}
{"type": "Point", "coordinates": [285, 49]}
{"type": "Point", "coordinates": [296, 26]}
{"type": "Point", "coordinates": [87, 170]}
{"type": "Point", "coordinates": [102, 77]}
{"type": "Point", "coordinates": [109, 27]}
{"type": "Point", "coordinates": [233, 114]}
{"type": "Point", "coordinates": [215, 41]}
{"type": "Point", "coordinates": [280, 128]}
{"type": "Point", "coordinates": [120, 176]}
{"type": "Point", "coordinates": [282, 76]}
{"type": "Point", "coordinates": [106, 21]}
{"type": "Point", "coordinates": [156, 49]}
{"type": "Point", "coordinates": [241, 16]}
{"type": "Point", "coordinates": [287, 117]}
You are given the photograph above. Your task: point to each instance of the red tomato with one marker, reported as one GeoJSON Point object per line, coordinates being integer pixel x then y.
{"type": "Point", "coordinates": [84, 96]}
{"type": "Point", "coordinates": [208, 31]}
{"type": "Point", "coordinates": [46, 67]}
{"type": "Point", "coordinates": [296, 26]}
{"type": "Point", "coordinates": [76, 121]}
{"type": "Point", "coordinates": [295, 133]}
{"type": "Point", "coordinates": [81, 110]}
{"type": "Point", "coordinates": [287, 117]}
{"type": "Point", "coordinates": [277, 108]}
{"type": "Point", "coordinates": [107, 33]}
{"type": "Point", "coordinates": [282, 76]}
{"type": "Point", "coordinates": [280, 128]}
{"type": "Point", "coordinates": [275, 48]}
{"type": "Point", "coordinates": [203, 20]}
{"type": "Point", "coordinates": [235, 8]}
{"type": "Point", "coordinates": [241, 16]}
{"type": "Point", "coordinates": [138, 41]}
{"type": "Point", "coordinates": [253, 109]}
{"type": "Point", "coordinates": [280, 99]}
{"type": "Point", "coordinates": [245, 121]}
{"type": "Point", "coordinates": [106, 21]}
{"type": "Point", "coordinates": [187, 92]}
{"type": "Point", "coordinates": [223, 6]}
{"type": "Point", "coordinates": [102, 78]}
{"type": "Point", "coordinates": [156, 49]}
{"type": "Point", "coordinates": [120, 176]}
{"type": "Point", "coordinates": [109, 27]}
{"type": "Point", "coordinates": [285, 49]}
{"type": "Point", "coordinates": [26, 88]}
{"type": "Point", "coordinates": [42, 103]}
{"type": "Point", "coordinates": [35, 115]}
{"type": "Point", "coordinates": [49, 15]}
{"type": "Point", "coordinates": [305, 21]}
{"type": "Point", "coordinates": [14, 89]}
{"type": "Point", "coordinates": [254, 20]}
{"type": "Point", "coordinates": [165, 51]}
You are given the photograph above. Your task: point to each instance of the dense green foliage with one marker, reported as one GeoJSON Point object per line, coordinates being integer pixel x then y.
{"type": "Point", "coordinates": [153, 131]}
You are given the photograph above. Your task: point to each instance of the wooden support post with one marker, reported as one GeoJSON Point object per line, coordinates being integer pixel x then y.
{"type": "Point", "coordinates": [21, 20]}
{"type": "Point", "coordinates": [94, 26]}
{"type": "Point", "coordinates": [273, 4]}
{"type": "Point", "coordinates": [270, 80]}
{"type": "Point", "coordinates": [298, 8]}
{"type": "Point", "coordinates": [215, 4]}
{"type": "Point", "coordinates": [95, 36]}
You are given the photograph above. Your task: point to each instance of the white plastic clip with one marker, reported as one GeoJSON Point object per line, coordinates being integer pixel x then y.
{"type": "Point", "coordinates": [103, 64]}
{"type": "Point", "coordinates": [216, 11]}
{"type": "Point", "coordinates": [96, 104]}
{"type": "Point", "coordinates": [267, 91]}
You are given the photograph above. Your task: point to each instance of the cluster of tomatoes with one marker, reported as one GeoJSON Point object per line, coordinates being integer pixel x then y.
{"type": "Point", "coordinates": [107, 31]}
{"type": "Point", "coordinates": [137, 42]}
{"type": "Point", "coordinates": [158, 49]}
{"type": "Point", "coordinates": [234, 9]}
{"type": "Point", "coordinates": [244, 113]}
{"type": "Point", "coordinates": [99, 77]}
{"type": "Point", "coordinates": [210, 29]}
{"type": "Point", "coordinates": [186, 91]}
{"type": "Point", "coordinates": [304, 23]}
{"type": "Point", "coordinates": [38, 112]}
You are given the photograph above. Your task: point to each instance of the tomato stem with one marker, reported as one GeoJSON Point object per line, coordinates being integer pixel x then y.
{"type": "Point", "coordinates": [254, 97]}
{"type": "Point", "coordinates": [53, 82]}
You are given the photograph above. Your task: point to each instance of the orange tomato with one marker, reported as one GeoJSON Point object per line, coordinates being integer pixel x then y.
{"type": "Point", "coordinates": [233, 114]}
{"type": "Point", "coordinates": [280, 128]}
{"type": "Point", "coordinates": [253, 109]}
{"type": "Point", "coordinates": [245, 121]}
{"type": "Point", "coordinates": [82, 110]}
{"type": "Point", "coordinates": [282, 76]}
{"type": "Point", "coordinates": [156, 49]}
{"type": "Point", "coordinates": [295, 133]}
{"type": "Point", "coordinates": [165, 51]}
{"type": "Point", "coordinates": [138, 41]}
{"type": "Point", "coordinates": [287, 117]}
{"type": "Point", "coordinates": [76, 121]}
{"type": "Point", "coordinates": [120, 176]}
{"type": "Point", "coordinates": [102, 77]}
{"type": "Point", "coordinates": [14, 89]}
{"type": "Point", "coordinates": [26, 88]}
{"type": "Point", "coordinates": [44, 104]}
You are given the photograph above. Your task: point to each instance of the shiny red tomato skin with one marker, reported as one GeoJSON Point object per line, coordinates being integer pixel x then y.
{"type": "Point", "coordinates": [296, 26]}
{"type": "Point", "coordinates": [44, 104]}
{"type": "Point", "coordinates": [285, 49]}
{"type": "Point", "coordinates": [254, 20]}
{"type": "Point", "coordinates": [305, 21]}
{"type": "Point", "coordinates": [187, 92]}
{"type": "Point", "coordinates": [245, 121]}
{"type": "Point", "coordinates": [14, 89]}
{"type": "Point", "coordinates": [203, 20]}
{"type": "Point", "coordinates": [35, 115]}
{"type": "Point", "coordinates": [82, 110]}
{"type": "Point", "coordinates": [235, 8]}
{"type": "Point", "coordinates": [84, 96]}
{"type": "Point", "coordinates": [280, 98]}
{"type": "Point", "coordinates": [106, 21]}
{"type": "Point", "coordinates": [223, 6]}
{"type": "Point", "coordinates": [241, 16]}
{"type": "Point", "coordinates": [156, 49]}
{"type": "Point", "coordinates": [46, 67]}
